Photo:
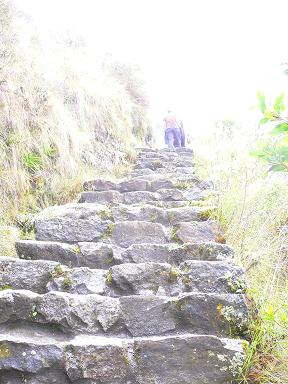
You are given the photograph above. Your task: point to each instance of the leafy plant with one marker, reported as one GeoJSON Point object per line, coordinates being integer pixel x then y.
{"type": "Point", "coordinates": [50, 151]}
{"type": "Point", "coordinates": [274, 150]}
{"type": "Point", "coordinates": [32, 161]}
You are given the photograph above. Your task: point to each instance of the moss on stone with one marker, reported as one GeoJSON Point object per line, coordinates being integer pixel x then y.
{"type": "Point", "coordinates": [67, 283]}
{"type": "Point", "coordinates": [174, 235]}
{"type": "Point", "coordinates": [105, 214]}
{"type": "Point", "coordinates": [76, 249]}
{"type": "Point", "coordinates": [173, 274]}
{"type": "Point", "coordinates": [5, 286]}
{"type": "Point", "coordinates": [58, 271]}
{"type": "Point", "coordinates": [5, 350]}
{"type": "Point", "coordinates": [109, 231]}
{"type": "Point", "coordinates": [109, 277]}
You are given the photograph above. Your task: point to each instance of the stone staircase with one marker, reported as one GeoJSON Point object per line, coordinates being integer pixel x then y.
{"type": "Point", "coordinates": [128, 286]}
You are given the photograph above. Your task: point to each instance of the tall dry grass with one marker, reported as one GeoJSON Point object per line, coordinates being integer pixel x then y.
{"type": "Point", "coordinates": [64, 116]}
{"type": "Point", "coordinates": [253, 211]}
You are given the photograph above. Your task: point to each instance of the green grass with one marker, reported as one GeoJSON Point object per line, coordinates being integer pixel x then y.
{"type": "Point", "coordinates": [253, 211]}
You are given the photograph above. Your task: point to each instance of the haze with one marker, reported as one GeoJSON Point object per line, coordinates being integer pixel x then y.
{"type": "Point", "coordinates": [205, 59]}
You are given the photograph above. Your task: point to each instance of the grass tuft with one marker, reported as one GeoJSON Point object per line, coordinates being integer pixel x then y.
{"type": "Point", "coordinates": [253, 212]}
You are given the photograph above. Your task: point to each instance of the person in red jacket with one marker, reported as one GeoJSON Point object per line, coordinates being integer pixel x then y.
{"type": "Point", "coordinates": [174, 132]}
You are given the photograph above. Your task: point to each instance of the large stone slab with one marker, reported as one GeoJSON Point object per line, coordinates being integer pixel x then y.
{"type": "Point", "coordinates": [189, 359]}
{"type": "Point", "coordinates": [99, 185]}
{"type": "Point", "coordinates": [26, 274]}
{"type": "Point", "coordinates": [81, 281]}
{"type": "Point", "coordinates": [104, 197]}
{"type": "Point", "coordinates": [99, 255]}
{"type": "Point", "coordinates": [195, 232]}
{"type": "Point", "coordinates": [194, 313]}
{"type": "Point", "coordinates": [103, 255]}
{"type": "Point", "coordinates": [218, 314]}
{"type": "Point", "coordinates": [124, 279]}
{"type": "Point", "coordinates": [47, 250]}
{"type": "Point", "coordinates": [126, 233]}
{"type": "Point", "coordinates": [145, 279]}
{"type": "Point", "coordinates": [163, 279]}
{"type": "Point", "coordinates": [71, 230]}
{"type": "Point", "coordinates": [44, 376]}
{"type": "Point", "coordinates": [175, 253]}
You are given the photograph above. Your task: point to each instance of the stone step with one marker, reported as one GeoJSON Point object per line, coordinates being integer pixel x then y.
{"type": "Point", "coordinates": [163, 279]}
{"type": "Point", "coordinates": [73, 224]}
{"type": "Point", "coordinates": [166, 217]}
{"type": "Point", "coordinates": [103, 256]}
{"type": "Point", "coordinates": [149, 183]}
{"type": "Point", "coordinates": [46, 358]}
{"type": "Point", "coordinates": [199, 313]}
{"type": "Point", "coordinates": [165, 150]}
{"type": "Point", "coordinates": [164, 157]}
{"type": "Point", "coordinates": [93, 228]}
{"type": "Point", "coordinates": [178, 171]}
{"type": "Point", "coordinates": [156, 164]}
{"type": "Point", "coordinates": [143, 197]}
{"type": "Point", "coordinates": [122, 280]}
{"type": "Point", "coordinates": [118, 213]}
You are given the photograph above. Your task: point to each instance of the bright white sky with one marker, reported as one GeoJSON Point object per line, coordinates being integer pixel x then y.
{"type": "Point", "coordinates": [203, 58]}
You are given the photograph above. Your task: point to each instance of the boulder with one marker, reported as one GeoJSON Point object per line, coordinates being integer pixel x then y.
{"type": "Point", "coordinates": [126, 233]}
{"type": "Point", "coordinates": [196, 232]}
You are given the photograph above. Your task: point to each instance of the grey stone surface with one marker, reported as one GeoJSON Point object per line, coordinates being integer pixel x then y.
{"type": "Point", "coordinates": [139, 315]}
{"type": "Point", "coordinates": [126, 233]}
{"type": "Point", "coordinates": [25, 274]}
{"type": "Point", "coordinates": [170, 195]}
{"type": "Point", "coordinates": [138, 197]}
{"type": "Point", "coordinates": [71, 211]}
{"type": "Point", "coordinates": [137, 213]}
{"type": "Point", "coordinates": [44, 376]}
{"type": "Point", "coordinates": [70, 230]}
{"type": "Point", "coordinates": [212, 277]}
{"type": "Point", "coordinates": [99, 185]}
{"type": "Point", "coordinates": [145, 278]}
{"type": "Point", "coordinates": [163, 279]}
{"type": "Point", "coordinates": [99, 255]}
{"type": "Point", "coordinates": [175, 253]}
{"type": "Point", "coordinates": [133, 185]}
{"type": "Point", "coordinates": [124, 279]}
{"type": "Point", "coordinates": [194, 360]}
{"type": "Point", "coordinates": [189, 359]}
{"type": "Point", "coordinates": [103, 255]}
{"type": "Point", "coordinates": [151, 182]}
{"type": "Point", "coordinates": [132, 287]}
{"type": "Point", "coordinates": [81, 281]}
{"type": "Point", "coordinates": [196, 232]}
{"type": "Point", "coordinates": [104, 197]}
{"type": "Point", "coordinates": [147, 315]}
{"type": "Point", "coordinates": [55, 251]}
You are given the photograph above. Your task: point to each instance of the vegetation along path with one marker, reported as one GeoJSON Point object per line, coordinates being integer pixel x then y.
{"type": "Point", "coordinates": [130, 285]}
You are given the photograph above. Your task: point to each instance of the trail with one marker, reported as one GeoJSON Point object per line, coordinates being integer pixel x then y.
{"type": "Point", "coordinates": [126, 286]}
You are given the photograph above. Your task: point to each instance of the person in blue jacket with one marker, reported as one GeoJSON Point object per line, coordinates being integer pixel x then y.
{"type": "Point", "coordinates": [174, 131]}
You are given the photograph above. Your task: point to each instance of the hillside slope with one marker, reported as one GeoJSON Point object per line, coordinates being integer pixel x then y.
{"type": "Point", "coordinates": [63, 115]}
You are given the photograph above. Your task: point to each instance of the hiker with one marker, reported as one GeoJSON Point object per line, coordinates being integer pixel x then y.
{"type": "Point", "coordinates": [174, 132]}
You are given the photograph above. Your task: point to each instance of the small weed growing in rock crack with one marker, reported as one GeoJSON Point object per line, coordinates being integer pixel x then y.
{"type": "Point", "coordinates": [6, 286]}
{"type": "Point", "coordinates": [109, 277]}
{"type": "Point", "coordinates": [173, 274]}
{"type": "Point", "coordinates": [76, 249]}
{"type": "Point", "coordinates": [182, 185]}
{"type": "Point", "coordinates": [109, 231]}
{"type": "Point", "coordinates": [174, 235]}
{"type": "Point", "coordinates": [105, 214]}
{"type": "Point", "coordinates": [67, 283]}
{"type": "Point", "coordinates": [186, 280]}
{"type": "Point", "coordinates": [58, 271]}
